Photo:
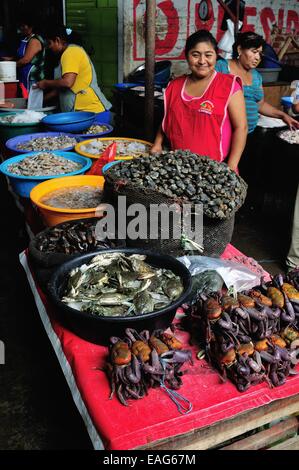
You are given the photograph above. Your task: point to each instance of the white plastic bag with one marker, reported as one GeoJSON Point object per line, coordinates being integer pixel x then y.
{"type": "Point", "coordinates": [233, 274]}
{"type": "Point", "coordinates": [225, 44]}
{"type": "Point", "coordinates": [35, 98]}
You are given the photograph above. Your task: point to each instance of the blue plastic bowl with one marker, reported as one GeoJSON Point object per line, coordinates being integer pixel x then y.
{"type": "Point", "coordinates": [287, 101]}
{"type": "Point", "coordinates": [22, 185]}
{"type": "Point", "coordinates": [99, 134]}
{"type": "Point", "coordinates": [75, 121]}
{"type": "Point", "coordinates": [13, 143]}
{"type": "Point", "coordinates": [103, 118]}
{"type": "Point", "coordinates": [109, 165]}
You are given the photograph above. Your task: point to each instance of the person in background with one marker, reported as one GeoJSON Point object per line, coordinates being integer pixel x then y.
{"type": "Point", "coordinates": [30, 55]}
{"type": "Point", "coordinates": [75, 79]}
{"type": "Point", "coordinates": [205, 110]}
{"type": "Point", "coordinates": [292, 260]}
{"type": "Point", "coordinates": [247, 53]}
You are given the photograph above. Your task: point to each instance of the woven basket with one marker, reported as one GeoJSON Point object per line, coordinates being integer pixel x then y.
{"type": "Point", "coordinates": [216, 233]}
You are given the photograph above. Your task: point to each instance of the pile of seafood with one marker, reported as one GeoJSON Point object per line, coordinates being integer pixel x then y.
{"type": "Point", "coordinates": [43, 164]}
{"type": "Point", "coordinates": [73, 197]}
{"type": "Point", "coordinates": [96, 129]}
{"type": "Point", "coordinates": [124, 147]}
{"type": "Point", "coordinates": [77, 236]}
{"type": "Point", "coordinates": [253, 337]}
{"type": "Point", "coordinates": [188, 176]}
{"type": "Point", "coordinates": [115, 284]}
{"type": "Point", "coordinates": [27, 116]}
{"type": "Point", "coordinates": [290, 136]}
{"type": "Point", "coordinates": [47, 143]}
{"type": "Point", "coordinates": [141, 361]}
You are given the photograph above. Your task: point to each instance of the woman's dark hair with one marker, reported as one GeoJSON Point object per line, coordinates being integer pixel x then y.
{"type": "Point", "coordinates": [201, 35]}
{"type": "Point", "coordinates": [60, 31]}
{"type": "Point", "coordinates": [28, 20]}
{"type": "Point", "coordinates": [248, 40]}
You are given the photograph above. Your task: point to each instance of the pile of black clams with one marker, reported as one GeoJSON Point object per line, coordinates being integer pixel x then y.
{"type": "Point", "coordinates": [188, 176]}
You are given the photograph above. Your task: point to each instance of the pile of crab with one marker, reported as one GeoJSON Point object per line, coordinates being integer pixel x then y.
{"type": "Point", "coordinates": [140, 361]}
{"type": "Point", "coordinates": [251, 337]}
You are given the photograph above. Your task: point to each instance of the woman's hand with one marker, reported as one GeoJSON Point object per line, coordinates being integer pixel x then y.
{"type": "Point", "coordinates": [233, 167]}
{"type": "Point", "coordinates": [291, 122]}
{"type": "Point", "coordinates": [156, 148]}
{"type": "Point", "coordinates": [42, 84]}
{"type": "Point", "coordinates": [158, 142]}
{"type": "Point", "coordinates": [8, 104]}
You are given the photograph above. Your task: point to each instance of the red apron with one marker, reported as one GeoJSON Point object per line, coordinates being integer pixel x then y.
{"type": "Point", "coordinates": [196, 125]}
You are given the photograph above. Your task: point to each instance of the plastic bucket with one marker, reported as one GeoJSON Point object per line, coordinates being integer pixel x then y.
{"type": "Point", "coordinates": [8, 130]}
{"type": "Point", "coordinates": [12, 144]}
{"type": "Point", "coordinates": [8, 70]}
{"type": "Point", "coordinates": [22, 185]}
{"type": "Point", "coordinates": [99, 329]}
{"type": "Point", "coordinates": [269, 74]}
{"type": "Point", "coordinates": [110, 139]}
{"type": "Point", "coordinates": [109, 165]}
{"type": "Point", "coordinates": [103, 118]}
{"type": "Point", "coordinates": [82, 137]}
{"type": "Point", "coordinates": [54, 215]}
{"type": "Point", "coordinates": [74, 121]}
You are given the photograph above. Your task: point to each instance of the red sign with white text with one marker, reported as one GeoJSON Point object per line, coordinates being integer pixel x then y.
{"type": "Point", "coordinates": [177, 19]}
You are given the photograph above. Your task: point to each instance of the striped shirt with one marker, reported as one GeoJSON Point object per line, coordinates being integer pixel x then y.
{"type": "Point", "coordinates": [252, 94]}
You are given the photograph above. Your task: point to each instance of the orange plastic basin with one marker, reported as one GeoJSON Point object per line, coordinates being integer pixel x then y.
{"type": "Point", "coordinates": [112, 139]}
{"type": "Point", "coordinates": [54, 215]}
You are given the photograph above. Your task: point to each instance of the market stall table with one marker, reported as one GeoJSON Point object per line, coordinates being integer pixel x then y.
{"type": "Point", "coordinates": [219, 411]}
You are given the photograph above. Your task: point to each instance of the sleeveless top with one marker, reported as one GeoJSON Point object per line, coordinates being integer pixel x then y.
{"type": "Point", "coordinates": [34, 71]}
{"type": "Point", "coordinates": [252, 94]}
{"type": "Point", "coordinates": [197, 124]}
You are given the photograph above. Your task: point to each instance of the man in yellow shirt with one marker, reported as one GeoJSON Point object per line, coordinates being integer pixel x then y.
{"type": "Point", "coordinates": [75, 77]}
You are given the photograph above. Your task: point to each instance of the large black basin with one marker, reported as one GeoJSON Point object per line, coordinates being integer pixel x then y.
{"type": "Point", "coordinates": [98, 329]}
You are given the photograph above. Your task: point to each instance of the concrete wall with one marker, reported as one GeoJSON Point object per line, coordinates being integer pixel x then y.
{"type": "Point", "coordinates": [176, 19]}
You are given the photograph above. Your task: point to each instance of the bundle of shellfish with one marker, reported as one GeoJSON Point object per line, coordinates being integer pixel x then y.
{"type": "Point", "coordinates": [141, 361]}
{"type": "Point", "coordinates": [254, 337]}
{"type": "Point", "coordinates": [187, 176]}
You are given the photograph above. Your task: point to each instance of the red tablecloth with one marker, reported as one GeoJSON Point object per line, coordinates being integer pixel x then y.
{"type": "Point", "coordinates": [113, 426]}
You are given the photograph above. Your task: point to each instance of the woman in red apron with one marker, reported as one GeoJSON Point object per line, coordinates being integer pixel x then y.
{"type": "Point", "coordinates": [204, 111]}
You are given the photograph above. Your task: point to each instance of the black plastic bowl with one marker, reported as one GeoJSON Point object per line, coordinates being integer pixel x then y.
{"type": "Point", "coordinates": [98, 329]}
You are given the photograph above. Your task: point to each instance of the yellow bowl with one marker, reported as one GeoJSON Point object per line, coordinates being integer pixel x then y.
{"type": "Point", "coordinates": [54, 215]}
{"type": "Point", "coordinates": [111, 139]}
